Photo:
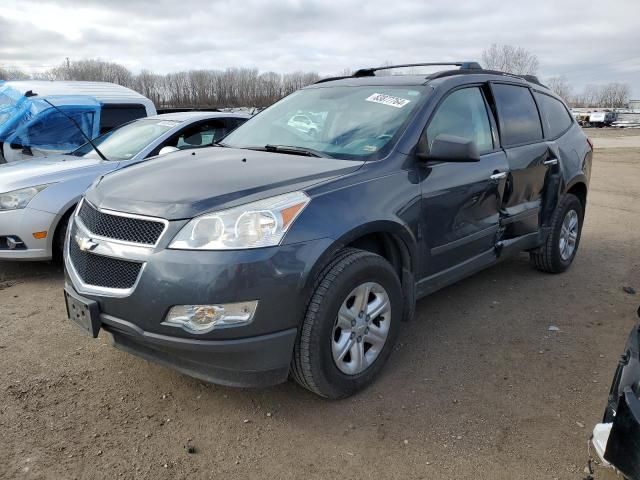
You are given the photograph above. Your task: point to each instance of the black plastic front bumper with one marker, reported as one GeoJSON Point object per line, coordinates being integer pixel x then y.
{"type": "Point", "coordinates": [257, 361]}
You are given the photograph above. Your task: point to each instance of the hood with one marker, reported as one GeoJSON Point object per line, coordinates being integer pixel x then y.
{"type": "Point", "coordinates": [51, 169]}
{"type": "Point", "coordinates": [189, 183]}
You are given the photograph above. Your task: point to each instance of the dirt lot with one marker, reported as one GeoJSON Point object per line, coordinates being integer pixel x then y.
{"type": "Point", "coordinates": [478, 387]}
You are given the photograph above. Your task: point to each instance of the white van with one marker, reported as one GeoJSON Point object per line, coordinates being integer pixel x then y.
{"type": "Point", "coordinates": [31, 127]}
{"type": "Point", "coordinates": [602, 119]}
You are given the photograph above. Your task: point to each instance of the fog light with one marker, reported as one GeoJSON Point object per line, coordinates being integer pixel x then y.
{"type": "Point", "coordinates": [204, 318]}
{"type": "Point", "coordinates": [14, 243]}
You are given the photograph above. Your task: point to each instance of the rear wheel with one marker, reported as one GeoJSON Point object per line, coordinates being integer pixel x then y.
{"type": "Point", "coordinates": [558, 252]}
{"type": "Point", "coordinates": [350, 326]}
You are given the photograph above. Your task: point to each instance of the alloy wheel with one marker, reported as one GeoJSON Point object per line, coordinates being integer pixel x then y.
{"type": "Point", "coordinates": [361, 328]}
{"type": "Point", "coordinates": [569, 234]}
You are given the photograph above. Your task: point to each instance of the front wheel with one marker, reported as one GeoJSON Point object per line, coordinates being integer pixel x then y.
{"type": "Point", "coordinates": [58, 239]}
{"type": "Point", "coordinates": [350, 326]}
{"type": "Point", "coordinates": [558, 252]}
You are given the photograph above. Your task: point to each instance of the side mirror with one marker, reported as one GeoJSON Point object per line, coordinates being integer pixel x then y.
{"type": "Point", "coordinates": [165, 150]}
{"type": "Point", "coordinates": [450, 148]}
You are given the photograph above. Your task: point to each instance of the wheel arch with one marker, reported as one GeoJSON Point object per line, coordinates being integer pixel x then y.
{"type": "Point", "coordinates": [578, 187]}
{"type": "Point", "coordinates": [392, 241]}
{"type": "Point", "coordinates": [65, 212]}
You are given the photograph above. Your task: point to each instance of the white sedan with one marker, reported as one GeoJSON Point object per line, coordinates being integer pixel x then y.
{"type": "Point", "coordinates": [38, 196]}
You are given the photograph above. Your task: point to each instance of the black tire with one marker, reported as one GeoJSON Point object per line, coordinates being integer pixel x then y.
{"type": "Point", "coordinates": [313, 366]}
{"type": "Point", "coordinates": [58, 239]}
{"type": "Point", "coordinates": [548, 257]}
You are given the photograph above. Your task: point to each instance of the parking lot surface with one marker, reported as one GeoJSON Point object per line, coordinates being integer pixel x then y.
{"type": "Point", "coordinates": [478, 387]}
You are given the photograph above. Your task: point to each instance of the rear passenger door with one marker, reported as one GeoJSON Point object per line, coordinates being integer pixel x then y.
{"type": "Point", "coordinates": [557, 123]}
{"type": "Point", "coordinates": [528, 155]}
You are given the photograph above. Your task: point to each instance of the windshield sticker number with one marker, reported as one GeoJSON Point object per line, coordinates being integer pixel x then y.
{"type": "Point", "coordinates": [167, 123]}
{"type": "Point", "coordinates": [389, 100]}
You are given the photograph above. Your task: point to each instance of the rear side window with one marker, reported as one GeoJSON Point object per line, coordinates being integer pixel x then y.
{"type": "Point", "coordinates": [113, 116]}
{"type": "Point", "coordinates": [463, 114]}
{"type": "Point", "coordinates": [518, 114]}
{"type": "Point", "coordinates": [556, 117]}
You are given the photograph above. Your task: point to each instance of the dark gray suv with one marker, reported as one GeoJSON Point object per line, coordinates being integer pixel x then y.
{"type": "Point", "coordinates": [279, 252]}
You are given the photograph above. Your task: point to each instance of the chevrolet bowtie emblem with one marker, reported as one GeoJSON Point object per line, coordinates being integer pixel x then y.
{"type": "Point", "coordinates": [85, 243]}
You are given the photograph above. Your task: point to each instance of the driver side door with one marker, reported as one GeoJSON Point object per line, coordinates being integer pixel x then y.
{"type": "Point", "coordinates": [461, 201]}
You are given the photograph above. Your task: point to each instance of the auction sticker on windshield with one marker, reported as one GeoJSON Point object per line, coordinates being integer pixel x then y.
{"type": "Point", "coordinates": [390, 100]}
{"type": "Point", "coordinates": [167, 123]}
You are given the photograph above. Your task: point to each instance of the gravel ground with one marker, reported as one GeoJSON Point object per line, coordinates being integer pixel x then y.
{"type": "Point", "coordinates": [478, 387]}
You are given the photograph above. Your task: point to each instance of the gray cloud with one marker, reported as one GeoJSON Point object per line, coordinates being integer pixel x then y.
{"type": "Point", "coordinates": [585, 41]}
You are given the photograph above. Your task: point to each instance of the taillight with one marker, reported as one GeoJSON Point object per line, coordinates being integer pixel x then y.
{"type": "Point", "coordinates": [590, 142]}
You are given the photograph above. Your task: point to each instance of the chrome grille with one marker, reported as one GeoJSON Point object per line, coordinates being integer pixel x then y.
{"type": "Point", "coordinates": [100, 271]}
{"type": "Point", "coordinates": [122, 228]}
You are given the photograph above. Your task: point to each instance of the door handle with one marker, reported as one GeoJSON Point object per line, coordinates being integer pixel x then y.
{"type": "Point", "coordinates": [498, 176]}
{"type": "Point", "coordinates": [551, 161]}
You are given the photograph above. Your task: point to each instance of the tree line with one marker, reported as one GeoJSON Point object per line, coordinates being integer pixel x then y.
{"type": "Point", "coordinates": [233, 87]}
{"type": "Point", "coordinates": [247, 87]}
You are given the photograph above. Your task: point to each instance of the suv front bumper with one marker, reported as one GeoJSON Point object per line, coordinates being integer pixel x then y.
{"type": "Point", "coordinates": [256, 354]}
{"type": "Point", "coordinates": [256, 361]}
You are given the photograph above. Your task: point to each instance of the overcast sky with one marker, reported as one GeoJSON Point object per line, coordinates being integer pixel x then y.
{"type": "Point", "coordinates": [587, 41]}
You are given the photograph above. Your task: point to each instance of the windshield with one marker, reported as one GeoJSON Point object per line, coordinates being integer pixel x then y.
{"type": "Point", "coordinates": [126, 141]}
{"type": "Point", "coordinates": [340, 122]}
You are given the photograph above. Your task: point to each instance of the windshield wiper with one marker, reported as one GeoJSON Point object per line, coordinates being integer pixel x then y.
{"type": "Point", "coordinates": [293, 150]}
{"type": "Point", "coordinates": [100, 154]}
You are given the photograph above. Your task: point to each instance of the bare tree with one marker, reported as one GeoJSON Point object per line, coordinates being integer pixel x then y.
{"type": "Point", "coordinates": [560, 86]}
{"type": "Point", "coordinates": [92, 70]}
{"type": "Point", "coordinates": [13, 74]}
{"type": "Point", "coordinates": [150, 85]}
{"type": "Point", "coordinates": [614, 95]}
{"type": "Point", "coordinates": [610, 95]}
{"type": "Point", "coordinates": [589, 97]}
{"type": "Point", "coordinates": [233, 87]}
{"type": "Point", "coordinates": [510, 59]}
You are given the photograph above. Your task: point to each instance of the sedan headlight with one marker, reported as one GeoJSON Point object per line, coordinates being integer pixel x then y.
{"type": "Point", "coordinates": [19, 198]}
{"type": "Point", "coordinates": [254, 225]}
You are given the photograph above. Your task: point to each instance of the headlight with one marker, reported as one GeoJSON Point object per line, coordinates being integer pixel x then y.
{"type": "Point", "coordinates": [254, 225]}
{"type": "Point", "coordinates": [19, 198]}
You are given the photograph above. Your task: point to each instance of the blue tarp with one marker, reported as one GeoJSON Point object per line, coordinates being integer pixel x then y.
{"type": "Point", "coordinates": [32, 122]}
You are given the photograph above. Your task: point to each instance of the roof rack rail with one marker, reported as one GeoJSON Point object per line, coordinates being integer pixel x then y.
{"type": "Point", "coordinates": [532, 79]}
{"type": "Point", "coordinates": [331, 79]}
{"type": "Point", "coordinates": [370, 72]}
